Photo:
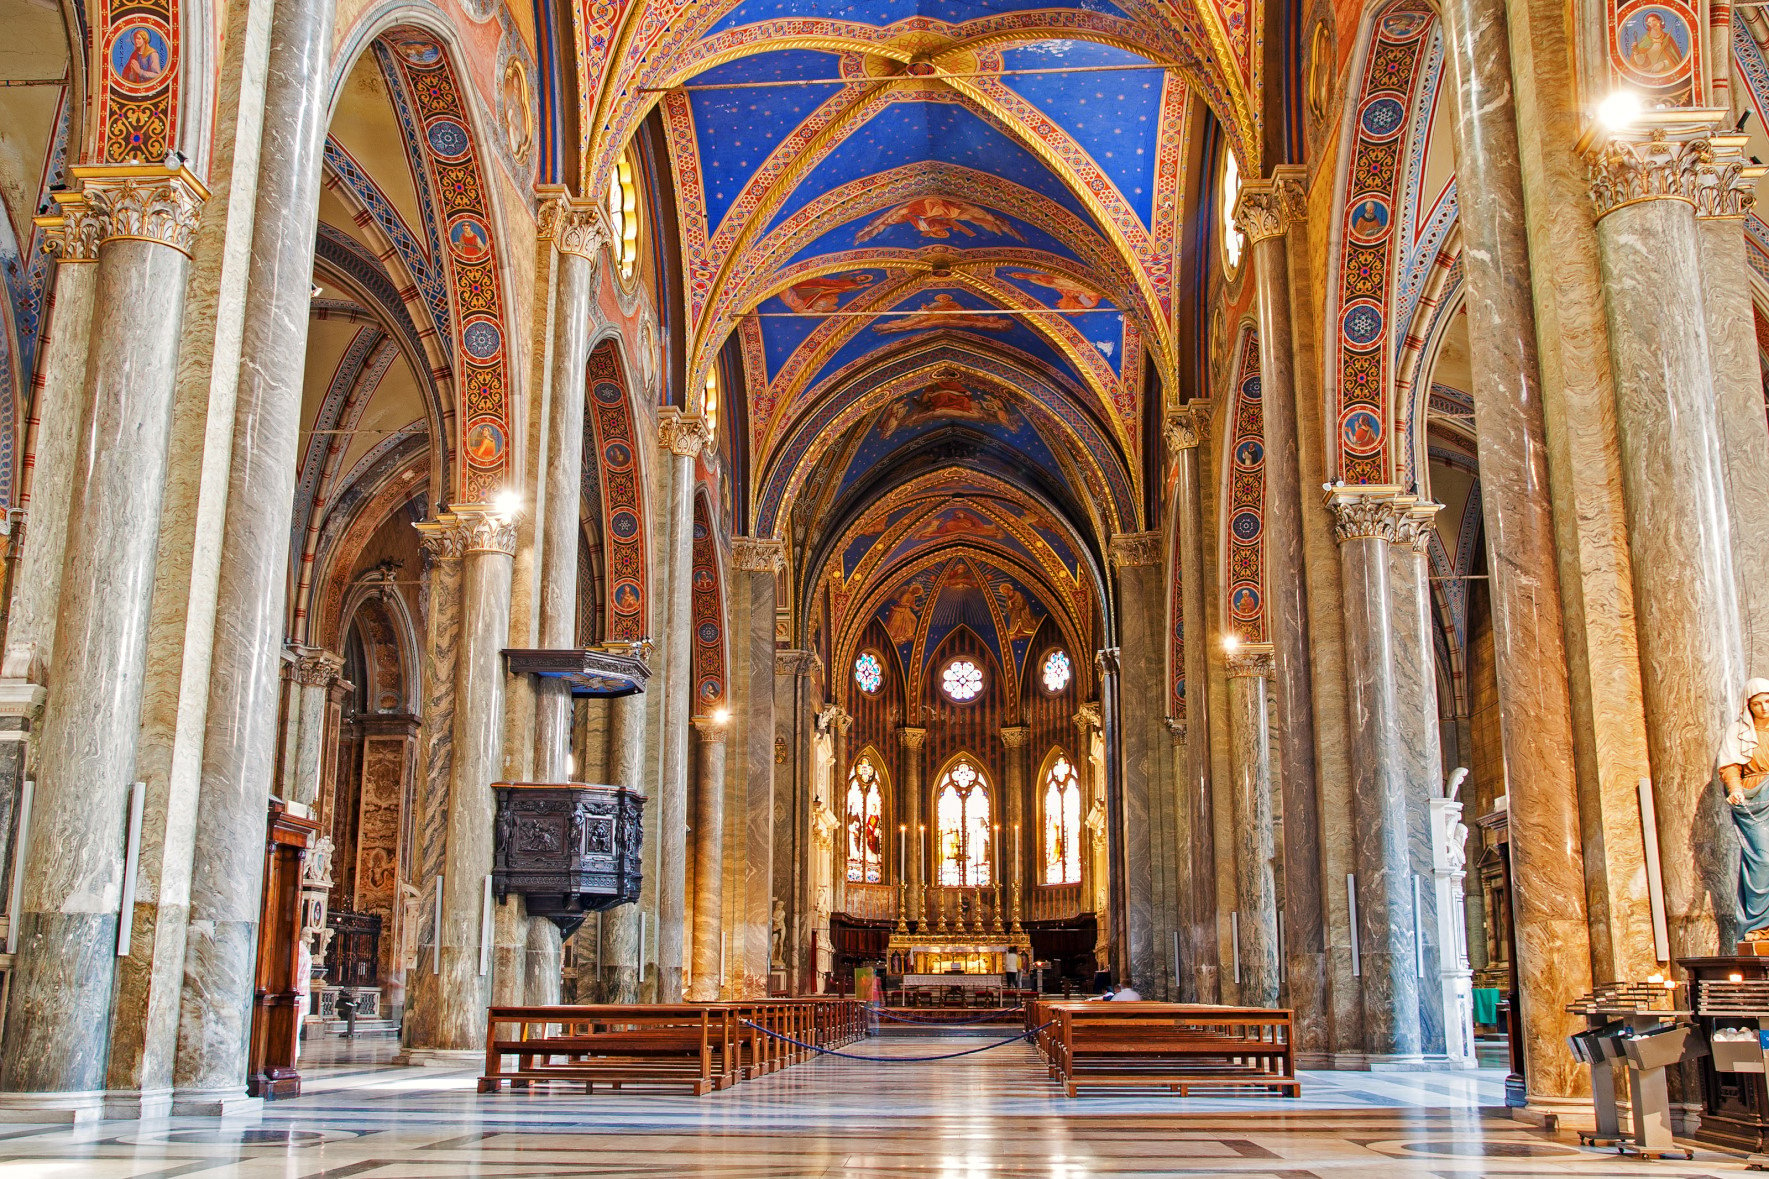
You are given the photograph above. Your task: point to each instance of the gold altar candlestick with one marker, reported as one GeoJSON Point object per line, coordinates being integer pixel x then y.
{"type": "Point", "coordinates": [902, 880]}
{"type": "Point", "coordinates": [921, 870]}
{"type": "Point", "coordinates": [1018, 876]}
{"type": "Point", "coordinates": [996, 857]}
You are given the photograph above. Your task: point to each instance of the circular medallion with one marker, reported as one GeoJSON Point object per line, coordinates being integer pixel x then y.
{"type": "Point", "coordinates": [1382, 118]}
{"type": "Point", "coordinates": [1244, 602]}
{"type": "Point", "coordinates": [624, 524]}
{"type": "Point", "coordinates": [1360, 432]}
{"type": "Point", "coordinates": [1249, 453]}
{"type": "Point", "coordinates": [608, 393]}
{"type": "Point", "coordinates": [1404, 26]}
{"type": "Point", "coordinates": [1368, 219]}
{"type": "Point", "coordinates": [1251, 388]}
{"type": "Point", "coordinates": [140, 55]}
{"type": "Point", "coordinates": [1362, 324]}
{"type": "Point", "coordinates": [419, 51]}
{"type": "Point", "coordinates": [482, 339]}
{"type": "Point", "coordinates": [709, 690]}
{"type": "Point", "coordinates": [448, 139]}
{"type": "Point", "coordinates": [709, 632]}
{"type": "Point", "coordinates": [1245, 526]}
{"type": "Point", "coordinates": [485, 442]}
{"type": "Point", "coordinates": [626, 596]}
{"type": "Point", "coordinates": [468, 239]}
{"type": "Point", "coordinates": [618, 456]}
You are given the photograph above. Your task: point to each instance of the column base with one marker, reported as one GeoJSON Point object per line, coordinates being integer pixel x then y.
{"type": "Point", "coordinates": [1557, 1113]}
{"type": "Point", "coordinates": [66, 1108]}
{"type": "Point", "coordinates": [138, 1105]}
{"type": "Point", "coordinates": [215, 1103]}
{"type": "Point", "coordinates": [1378, 1062]}
{"type": "Point", "coordinates": [440, 1057]}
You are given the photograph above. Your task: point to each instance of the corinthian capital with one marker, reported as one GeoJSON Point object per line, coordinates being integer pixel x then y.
{"type": "Point", "coordinates": [73, 233]}
{"type": "Point", "coordinates": [138, 202]}
{"type": "Point", "coordinates": [1136, 548]}
{"type": "Point", "coordinates": [575, 229]}
{"type": "Point", "coordinates": [1250, 660]}
{"type": "Point", "coordinates": [1665, 162]}
{"type": "Point", "coordinates": [757, 554]}
{"type": "Point", "coordinates": [1415, 528]}
{"type": "Point", "coordinates": [685, 435]}
{"type": "Point", "coordinates": [469, 530]}
{"type": "Point", "coordinates": [316, 668]}
{"type": "Point", "coordinates": [1728, 181]}
{"type": "Point", "coordinates": [1266, 208]}
{"type": "Point", "coordinates": [1181, 431]}
{"type": "Point", "coordinates": [1368, 512]}
{"type": "Point", "coordinates": [1016, 736]}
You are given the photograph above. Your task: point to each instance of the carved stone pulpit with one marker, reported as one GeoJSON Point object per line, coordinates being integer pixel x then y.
{"type": "Point", "coordinates": [569, 849]}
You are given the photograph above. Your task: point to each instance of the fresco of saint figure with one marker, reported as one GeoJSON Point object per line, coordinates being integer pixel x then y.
{"type": "Point", "coordinates": [937, 217]}
{"type": "Point", "coordinates": [824, 294]}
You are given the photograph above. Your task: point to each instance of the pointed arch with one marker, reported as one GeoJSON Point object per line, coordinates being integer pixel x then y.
{"type": "Point", "coordinates": [964, 815]}
{"type": "Point", "coordinates": [1060, 832]}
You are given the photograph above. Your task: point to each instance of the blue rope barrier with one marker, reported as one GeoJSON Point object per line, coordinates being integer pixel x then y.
{"type": "Point", "coordinates": [952, 1023]}
{"type": "Point", "coordinates": [1027, 1035]}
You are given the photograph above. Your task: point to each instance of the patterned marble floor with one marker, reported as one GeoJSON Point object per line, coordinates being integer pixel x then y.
{"type": "Point", "coordinates": [987, 1116]}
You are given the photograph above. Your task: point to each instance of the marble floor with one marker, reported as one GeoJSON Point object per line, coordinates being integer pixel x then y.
{"type": "Point", "coordinates": [985, 1116]}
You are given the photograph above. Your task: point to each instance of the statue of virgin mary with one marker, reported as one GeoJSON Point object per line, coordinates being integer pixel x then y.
{"type": "Point", "coordinates": [1744, 768]}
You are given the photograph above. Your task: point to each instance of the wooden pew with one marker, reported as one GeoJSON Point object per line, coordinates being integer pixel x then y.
{"type": "Point", "coordinates": [651, 1045]}
{"type": "Point", "coordinates": [1172, 1046]}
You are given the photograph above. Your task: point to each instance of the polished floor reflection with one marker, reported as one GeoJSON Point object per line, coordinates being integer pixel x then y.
{"type": "Point", "coordinates": [978, 1117]}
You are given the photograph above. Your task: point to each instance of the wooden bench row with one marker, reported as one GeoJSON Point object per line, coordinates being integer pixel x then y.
{"type": "Point", "coordinates": [697, 1046]}
{"type": "Point", "coordinates": [1174, 1046]}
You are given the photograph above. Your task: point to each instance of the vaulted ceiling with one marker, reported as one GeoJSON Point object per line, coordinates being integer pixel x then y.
{"type": "Point", "coordinates": [946, 237]}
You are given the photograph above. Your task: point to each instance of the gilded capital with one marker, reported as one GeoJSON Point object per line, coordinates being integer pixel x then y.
{"type": "Point", "coordinates": [798, 663]}
{"type": "Point", "coordinates": [574, 228]}
{"type": "Point", "coordinates": [73, 233]}
{"type": "Point", "coordinates": [1136, 548]}
{"type": "Point", "coordinates": [912, 739]}
{"type": "Point", "coordinates": [1655, 164]}
{"type": "Point", "coordinates": [1087, 716]}
{"type": "Point", "coordinates": [684, 435]}
{"type": "Point", "coordinates": [1266, 207]}
{"type": "Point", "coordinates": [1415, 528]}
{"type": "Point", "coordinates": [316, 668]}
{"type": "Point", "coordinates": [1250, 659]}
{"type": "Point", "coordinates": [139, 202]}
{"type": "Point", "coordinates": [1176, 726]}
{"type": "Point", "coordinates": [709, 730]}
{"type": "Point", "coordinates": [757, 554]}
{"type": "Point", "coordinates": [1368, 512]}
{"type": "Point", "coordinates": [467, 530]}
{"type": "Point", "coordinates": [1181, 431]}
{"type": "Point", "coordinates": [1016, 736]}
{"type": "Point", "coordinates": [1728, 185]}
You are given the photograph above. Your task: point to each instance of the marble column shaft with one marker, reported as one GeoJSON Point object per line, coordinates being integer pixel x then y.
{"type": "Point", "coordinates": [1530, 644]}
{"type": "Point", "coordinates": [1142, 615]}
{"type": "Point", "coordinates": [706, 981]}
{"type": "Point", "coordinates": [60, 1003]}
{"type": "Point", "coordinates": [915, 817]}
{"type": "Point", "coordinates": [1421, 747]}
{"type": "Point", "coordinates": [459, 991]}
{"type": "Point", "coordinates": [621, 951]}
{"type": "Point", "coordinates": [314, 675]}
{"type": "Point", "coordinates": [1679, 535]}
{"type": "Point", "coordinates": [239, 739]}
{"type": "Point", "coordinates": [56, 415]}
{"type": "Point", "coordinates": [1738, 389]}
{"type": "Point", "coordinates": [1270, 207]}
{"type": "Point", "coordinates": [755, 566]}
{"type": "Point", "coordinates": [1249, 672]}
{"type": "Point", "coordinates": [1016, 741]}
{"type": "Point", "coordinates": [681, 436]}
{"type": "Point", "coordinates": [1202, 954]}
{"type": "Point", "coordinates": [559, 524]}
{"type": "Point", "coordinates": [1367, 523]}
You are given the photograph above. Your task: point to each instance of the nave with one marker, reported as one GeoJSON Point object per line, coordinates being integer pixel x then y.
{"type": "Point", "coordinates": [978, 1117]}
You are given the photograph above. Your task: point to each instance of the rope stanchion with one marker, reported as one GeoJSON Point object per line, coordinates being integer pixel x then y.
{"type": "Point", "coordinates": [953, 1023]}
{"type": "Point", "coordinates": [1026, 1035]}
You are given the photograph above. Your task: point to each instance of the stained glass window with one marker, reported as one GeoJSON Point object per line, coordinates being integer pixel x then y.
{"type": "Point", "coordinates": [965, 844]}
{"type": "Point", "coordinates": [1232, 240]}
{"type": "Point", "coordinates": [1062, 822]}
{"type": "Point", "coordinates": [623, 215]}
{"type": "Point", "coordinates": [1057, 671]}
{"type": "Point", "coordinates": [961, 680]}
{"type": "Point", "coordinates": [868, 673]}
{"type": "Point", "coordinates": [865, 823]}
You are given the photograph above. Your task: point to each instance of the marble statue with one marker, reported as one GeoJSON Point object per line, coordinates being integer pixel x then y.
{"type": "Point", "coordinates": [1744, 766]}
{"type": "Point", "coordinates": [777, 936]}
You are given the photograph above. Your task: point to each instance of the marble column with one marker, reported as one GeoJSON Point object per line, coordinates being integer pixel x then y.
{"type": "Point", "coordinates": [142, 219]}
{"type": "Point", "coordinates": [683, 437]}
{"type": "Point", "coordinates": [457, 992]}
{"type": "Point", "coordinates": [1367, 521]}
{"type": "Point", "coordinates": [1530, 642]}
{"type": "Point", "coordinates": [1723, 201]}
{"type": "Point", "coordinates": [1266, 211]}
{"type": "Point", "coordinates": [1140, 715]}
{"type": "Point", "coordinates": [1184, 431]}
{"type": "Point", "coordinates": [56, 413]}
{"type": "Point", "coordinates": [1644, 185]}
{"type": "Point", "coordinates": [312, 677]}
{"type": "Point", "coordinates": [915, 818]}
{"type": "Point", "coordinates": [755, 566]}
{"type": "Point", "coordinates": [1421, 748]}
{"type": "Point", "coordinates": [707, 981]}
{"type": "Point", "coordinates": [622, 953]}
{"type": "Point", "coordinates": [1249, 675]}
{"type": "Point", "coordinates": [578, 234]}
{"type": "Point", "coordinates": [239, 738]}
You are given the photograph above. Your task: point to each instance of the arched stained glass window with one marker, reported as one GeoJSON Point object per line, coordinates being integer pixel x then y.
{"type": "Point", "coordinates": [1233, 242]}
{"type": "Point", "coordinates": [962, 808]}
{"type": "Point", "coordinates": [1062, 822]}
{"type": "Point", "coordinates": [865, 823]}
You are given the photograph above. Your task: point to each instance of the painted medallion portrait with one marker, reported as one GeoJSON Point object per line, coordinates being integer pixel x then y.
{"type": "Point", "coordinates": [140, 57]}
{"type": "Point", "coordinates": [1652, 46]}
{"type": "Point", "coordinates": [418, 51]}
{"type": "Point", "coordinates": [468, 239]}
{"type": "Point", "coordinates": [485, 443]}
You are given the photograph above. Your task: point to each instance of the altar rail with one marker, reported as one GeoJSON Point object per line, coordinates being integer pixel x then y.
{"type": "Point", "coordinates": [1172, 1046]}
{"type": "Point", "coordinates": [700, 1047]}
